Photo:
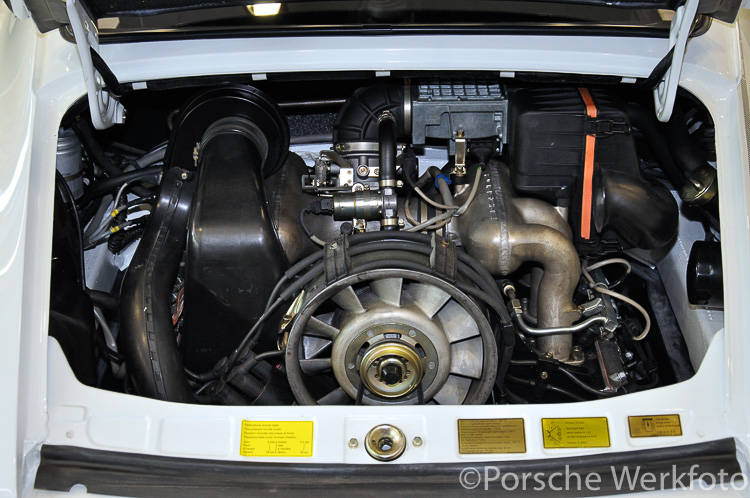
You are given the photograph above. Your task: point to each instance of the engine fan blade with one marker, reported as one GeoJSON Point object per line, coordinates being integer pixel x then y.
{"type": "Point", "coordinates": [457, 322]}
{"type": "Point", "coordinates": [337, 397]}
{"type": "Point", "coordinates": [466, 358]}
{"type": "Point", "coordinates": [349, 300]}
{"type": "Point", "coordinates": [454, 390]}
{"type": "Point", "coordinates": [388, 290]}
{"type": "Point", "coordinates": [315, 366]}
{"type": "Point", "coordinates": [429, 299]}
{"type": "Point", "coordinates": [320, 328]}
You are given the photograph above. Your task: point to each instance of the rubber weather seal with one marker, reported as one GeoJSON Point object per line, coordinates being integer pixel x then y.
{"type": "Point", "coordinates": [128, 474]}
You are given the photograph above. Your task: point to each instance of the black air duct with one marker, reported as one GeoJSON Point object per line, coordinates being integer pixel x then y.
{"type": "Point", "coordinates": [244, 137]}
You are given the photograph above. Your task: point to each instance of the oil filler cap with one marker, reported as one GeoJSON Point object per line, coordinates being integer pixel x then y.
{"type": "Point", "coordinates": [385, 442]}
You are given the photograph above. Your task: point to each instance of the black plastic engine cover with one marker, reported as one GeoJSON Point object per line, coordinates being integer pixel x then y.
{"type": "Point", "coordinates": [234, 257]}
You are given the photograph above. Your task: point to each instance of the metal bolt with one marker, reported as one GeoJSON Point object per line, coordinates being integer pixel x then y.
{"type": "Point", "coordinates": [548, 355]}
{"type": "Point", "coordinates": [417, 441]}
{"type": "Point", "coordinates": [401, 223]}
{"type": "Point", "coordinates": [577, 349]}
{"type": "Point", "coordinates": [399, 184]}
{"type": "Point", "coordinates": [628, 355]}
{"type": "Point", "coordinates": [334, 244]}
{"type": "Point", "coordinates": [370, 333]}
{"type": "Point", "coordinates": [353, 443]}
{"type": "Point", "coordinates": [351, 366]}
{"type": "Point", "coordinates": [431, 365]}
{"type": "Point", "coordinates": [363, 171]}
{"type": "Point", "coordinates": [412, 333]}
{"type": "Point", "coordinates": [544, 375]}
{"type": "Point", "coordinates": [184, 175]}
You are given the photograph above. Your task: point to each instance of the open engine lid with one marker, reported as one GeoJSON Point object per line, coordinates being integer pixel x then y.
{"type": "Point", "coordinates": [52, 14]}
{"type": "Point", "coordinates": [101, 83]}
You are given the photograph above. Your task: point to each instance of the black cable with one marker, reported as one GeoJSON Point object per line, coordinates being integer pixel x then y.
{"type": "Point", "coordinates": [254, 330]}
{"type": "Point", "coordinates": [240, 369]}
{"type": "Point", "coordinates": [149, 199]}
{"type": "Point", "coordinates": [513, 397]}
{"type": "Point", "coordinates": [468, 265]}
{"type": "Point", "coordinates": [101, 187]}
{"type": "Point", "coordinates": [372, 244]}
{"type": "Point", "coordinates": [496, 305]}
{"type": "Point", "coordinates": [527, 344]}
{"type": "Point", "coordinates": [479, 269]}
{"type": "Point", "coordinates": [302, 222]}
{"type": "Point", "coordinates": [199, 377]}
{"type": "Point", "coordinates": [110, 353]}
{"type": "Point", "coordinates": [248, 364]}
{"type": "Point", "coordinates": [320, 206]}
{"type": "Point", "coordinates": [465, 269]}
{"type": "Point", "coordinates": [360, 393]}
{"type": "Point", "coordinates": [362, 245]}
{"type": "Point", "coordinates": [409, 167]}
{"type": "Point", "coordinates": [119, 241]}
{"type": "Point", "coordinates": [567, 373]}
{"type": "Point", "coordinates": [524, 363]}
{"type": "Point", "coordinates": [86, 135]}
{"type": "Point", "coordinates": [548, 387]}
{"type": "Point", "coordinates": [104, 299]}
{"type": "Point", "coordinates": [585, 386]}
{"type": "Point", "coordinates": [565, 392]}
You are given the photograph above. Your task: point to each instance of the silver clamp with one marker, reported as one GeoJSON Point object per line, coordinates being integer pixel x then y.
{"type": "Point", "coordinates": [459, 168]}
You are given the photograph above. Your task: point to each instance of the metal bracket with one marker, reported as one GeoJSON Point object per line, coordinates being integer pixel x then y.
{"type": "Point", "coordinates": [460, 164]}
{"type": "Point", "coordinates": [443, 258]}
{"type": "Point", "coordinates": [105, 109]}
{"type": "Point", "coordinates": [336, 260]}
{"type": "Point", "coordinates": [679, 33]}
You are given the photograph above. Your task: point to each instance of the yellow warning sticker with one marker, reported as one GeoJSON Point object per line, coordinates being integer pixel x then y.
{"type": "Point", "coordinates": [585, 432]}
{"type": "Point", "coordinates": [655, 426]}
{"type": "Point", "coordinates": [493, 435]}
{"type": "Point", "coordinates": [276, 439]}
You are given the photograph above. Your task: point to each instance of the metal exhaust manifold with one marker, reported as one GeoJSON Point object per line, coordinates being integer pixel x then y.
{"type": "Point", "coordinates": [503, 231]}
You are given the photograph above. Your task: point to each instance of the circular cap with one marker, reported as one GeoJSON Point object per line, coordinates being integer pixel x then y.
{"type": "Point", "coordinates": [385, 442]}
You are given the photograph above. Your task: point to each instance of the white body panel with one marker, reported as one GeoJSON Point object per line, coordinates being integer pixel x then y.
{"type": "Point", "coordinates": [46, 79]}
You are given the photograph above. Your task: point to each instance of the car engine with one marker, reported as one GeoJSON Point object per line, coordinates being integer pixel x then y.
{"type": "Point", "coordinates": [417, 240]}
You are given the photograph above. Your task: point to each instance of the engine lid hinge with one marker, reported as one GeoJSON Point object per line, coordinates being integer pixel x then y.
{"type": "Point", "coordinates": [665, 90]}
{"type": "Point", "coordinates": [105, 109]}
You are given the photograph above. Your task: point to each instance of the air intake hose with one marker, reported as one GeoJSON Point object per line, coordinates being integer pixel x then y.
{"type": "Point", "coordinates": [147, 334]}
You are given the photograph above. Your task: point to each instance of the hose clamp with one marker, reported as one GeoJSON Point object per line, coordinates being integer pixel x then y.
{"type": "Point", "coordinates": [447, 180]}
{"type": "Point", "coordinates": [386, 115]}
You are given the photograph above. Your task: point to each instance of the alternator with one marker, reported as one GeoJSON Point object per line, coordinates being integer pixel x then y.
{"type": "Point", "coordinates": [390, 336]}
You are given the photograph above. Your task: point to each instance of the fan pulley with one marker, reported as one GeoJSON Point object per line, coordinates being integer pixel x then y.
{"type": "Point", "coordinates": [390, 336]}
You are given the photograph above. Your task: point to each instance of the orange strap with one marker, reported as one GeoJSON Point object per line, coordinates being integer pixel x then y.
{"type": "Point", "coordinates": [588, 167]}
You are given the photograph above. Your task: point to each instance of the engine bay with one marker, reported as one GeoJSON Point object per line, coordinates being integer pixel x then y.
{"type": "Point", "coordinates": [422, 240]}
